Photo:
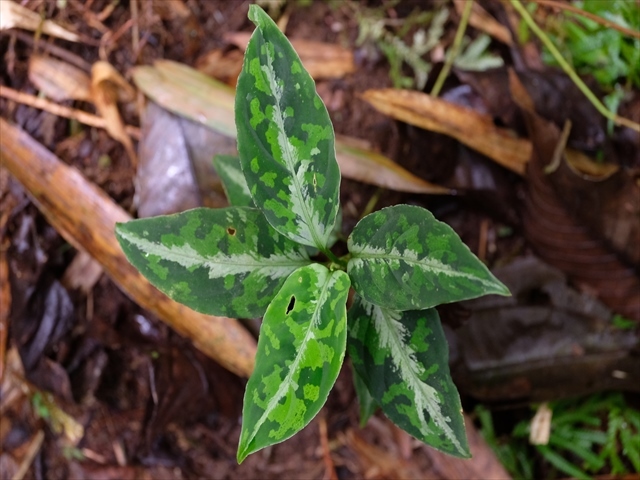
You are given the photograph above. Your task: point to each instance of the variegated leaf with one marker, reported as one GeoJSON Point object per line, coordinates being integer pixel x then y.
{"type": "Point", "coordinates": [226, 262]}
{"type": "Point", "coordinates": [405, 259]}
{"type": "Point", "coordinates": [402, 358]}
{"type": "Point", "coordinates": [285, 138]}
{"type": "Point", "coordinates": [235, 186]}
{"type": "Point", "coordinates": [300, 350]}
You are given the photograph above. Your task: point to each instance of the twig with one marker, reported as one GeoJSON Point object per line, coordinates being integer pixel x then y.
{"type": "Point", "coordinates": [61, 110]}
{"type": "Point", "coordinates": [54, 49]}
{"type": "Point", "coordinates": [591, 16]}
{"type": "Point", "coordinates": [32, 451]}
{"type": "Point", "coordinates": [135, 31]}
{"type": "Point", "coordinates": [5, 296]}
{"type": "Point", "coordinates": [85, 216]}
{"type": "Point", "coordinates": [330, 472]}
{"type": "Point", "coordinates": [455, 49]}
{"type": "Point", "coordinates": [517, 4]}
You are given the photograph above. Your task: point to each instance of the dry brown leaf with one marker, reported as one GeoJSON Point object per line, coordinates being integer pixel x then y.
{"type": "Point", "coordinates": [473, 129]}
{"type": "Point", "coordinates": [187, 92]}
{"type": "Point", "coordinates": [82, 273]}
{"type": "Point", "coordinates": [481, 20]}
{"type": "Point", "coordinates": [587, 229]}
{"type": "Point", "coordinates": [13, 15]}
{"type": "Point", "coordinates": [221, 65]}
{"type": "Point", "coordinates": [59, 80]}
{"type": "Point", "coordinates": [370, 167]}
{"type": "Point", "coordinates": [322, 60]}
{"type": "Point", "coordinates": [482, 465]}
{"type": "Point", "coordinates": [379, 462]}
{"type": "Point", "coordinates": [172, 10]}
{"type": "Point", "coordinates": [107, 87]}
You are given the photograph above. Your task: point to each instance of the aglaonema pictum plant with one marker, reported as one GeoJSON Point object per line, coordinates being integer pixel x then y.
{"type": "Point", "coordinates": [269, 255]}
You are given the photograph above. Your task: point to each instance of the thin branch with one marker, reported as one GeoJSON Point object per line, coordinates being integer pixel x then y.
{"type": "Point", "coordinates": [60, 110]}
{"type": "Point", "coordinates": [455, 49]}
{"type": "Point", "coordinates": [591, 16]}
{"type": "Point", "coordinates": [570, 71]}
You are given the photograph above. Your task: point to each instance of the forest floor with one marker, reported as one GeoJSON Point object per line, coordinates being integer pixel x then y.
{"type": "Point", "coordinates": [95, 386]}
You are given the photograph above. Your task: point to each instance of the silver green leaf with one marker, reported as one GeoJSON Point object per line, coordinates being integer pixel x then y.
{"type": "Point", "coordinates": [405, 259]}
{"type": "Point", "coordinates": [235, 186]}
{"type": "Point", "coordinates": [285, 138]}
{"type": "Point", "coordinates": [402, 357]}
{"type": "Point", "coordinates": [228, 262]}
{"type": "Point", "coordinates": [300, 351]}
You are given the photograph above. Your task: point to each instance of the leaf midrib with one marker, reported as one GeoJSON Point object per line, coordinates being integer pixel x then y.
{"type": "Point", "coordinates": [288, 157]}
{"type": "Point", "coordinates": [167, 254]}
{"type": "Point", "coordinates": [285, 384]}
{"type": "Point", "coordinates": [384, 256]}
{"type": "Point", "coordinates": [432, 408]}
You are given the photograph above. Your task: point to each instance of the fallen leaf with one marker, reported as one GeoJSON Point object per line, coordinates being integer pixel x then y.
{"type": "Point", "coordinates": [189, 93]}
{"type": "Point", "coordinates": [473, 129]}
{"type": "Point", "coordinates": [386, 465]}
{"type": "Point", "coordinates": [370, 167]}
{"type": "Point", "coordinates": [554, 96]}
{"type": "Point", "coordinates": [107, 87]}
{"type": "Point", "coordinates": [59, 80]}
{"type": "Point", "coordinates": [481, 20]}
{"type": "Point", "coordinates": [546, 341]}
{"type": "Point", "coordinates": [322, 60]}
{"type": "Point", "coordinates": [167, 180]}
{"type": "Point", "coordinates": [587, 229]}
{"type": "Point", "coordinates": [13, 15]}
{"type": "Point", "coordinates": [221, 65]}
{"type": "Point", "coordinates": [186, 28]}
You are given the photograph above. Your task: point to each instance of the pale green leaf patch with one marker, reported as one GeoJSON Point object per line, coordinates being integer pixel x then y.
{"type": "Point", "coordinates": [285, 138]}
{"type": "Point", "coordinates": [227, 262]}
{"type": "Point", "coordinates": [405, 259]}
{"type": "Point", "coordinates": [300, 351]}
{"type": "Point", "coordinates": [402, 359]}
{"type": "Point", "coordinates": [233, 182]}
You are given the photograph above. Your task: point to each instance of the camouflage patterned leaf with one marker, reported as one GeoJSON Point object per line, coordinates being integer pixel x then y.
{"type": "Point", "coordinates": [405, 259]}
{"type": "Point", "coordinates": [235, 186]}
{"type": "Point", "coordinates": [403, 359]}
{"type": "Point", "coordinates": [300, 351]}
{"type": "Point", "coordinates": [226, 261]}
{"type": "Point", "coordinates": [368, 405]}
{"type": "Point", "coordinates": [285, 138]}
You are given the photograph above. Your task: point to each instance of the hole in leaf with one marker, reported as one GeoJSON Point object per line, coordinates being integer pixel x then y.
{"type": "Point", "coordinates": [231, 231]}
{"type": "Point", "coordinates": [292, 303]}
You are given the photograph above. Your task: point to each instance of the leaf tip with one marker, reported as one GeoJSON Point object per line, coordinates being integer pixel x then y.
{"type": "Point", "coordinates": [257, 15]}
{"type": "Point", "coordinates": [501, 289]}
{"type": "Point", "coordinates": [241, 455]}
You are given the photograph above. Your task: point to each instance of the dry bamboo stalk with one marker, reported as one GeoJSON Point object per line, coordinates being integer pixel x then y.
{"type": "Point", "coordinates": [85, 216]}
